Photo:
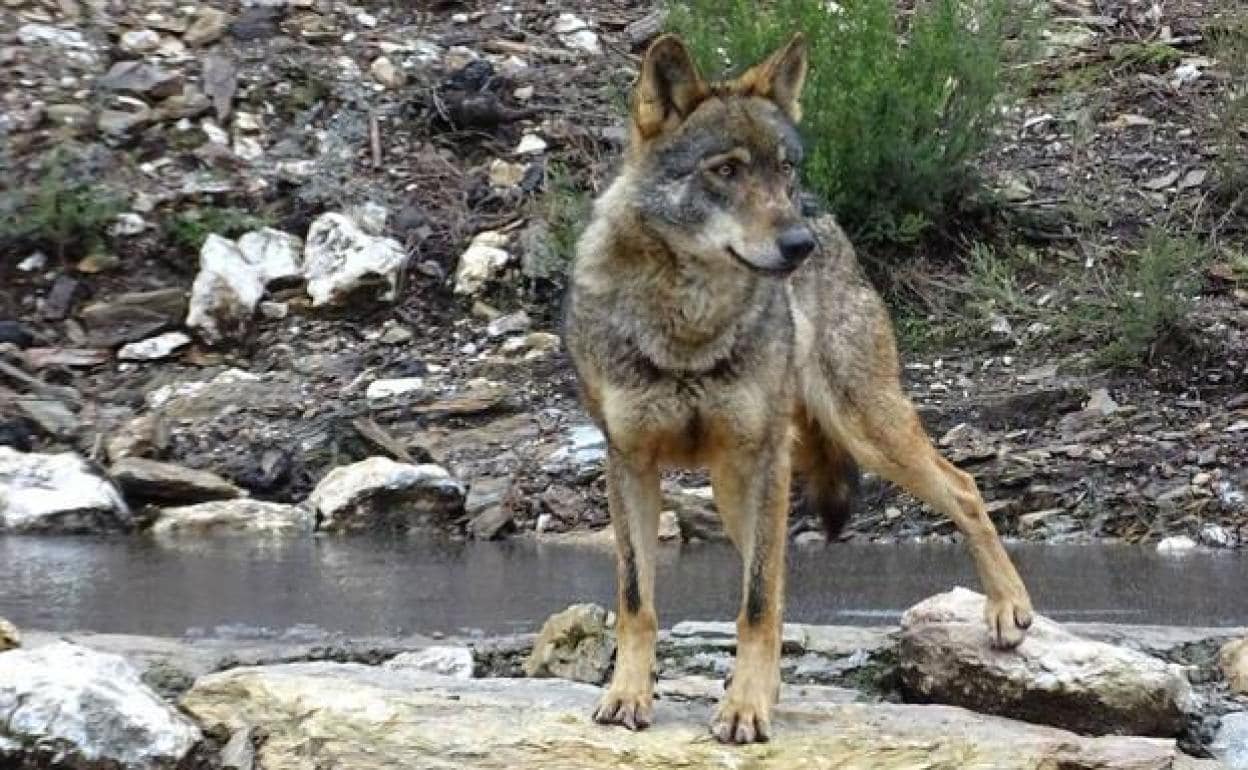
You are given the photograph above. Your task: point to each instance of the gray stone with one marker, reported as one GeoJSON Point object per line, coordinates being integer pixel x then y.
{"type": "Point", "coordinates": [365, 718]}
{"type": "Point", "coordinates": [209, 26]}
{"type": "Point", "coordinates": [1053, 677]}
{"type": "Point", "coordinates": [149, 480]}
{"type": "Point", "coordinates": [154, 348]}
{"type": "Point", "coordinates": [1230, 742]}
{"type": "Point", "coordinates": [443, 660]}
{"type": "Point", "coordinates": [89, 708]}
{"type": "Point", "coordinates": [141, 78]}
{"type": "Point", "coordinates": [240, 752]}
{"type": "Point", "coordinates": [379, 493]}
{"type": "Point", "coordinates": [54, 494]}
{"type": "Point", "coordinates": [241, 516]}
{"type": "Point", "coordinates": [575, 644]}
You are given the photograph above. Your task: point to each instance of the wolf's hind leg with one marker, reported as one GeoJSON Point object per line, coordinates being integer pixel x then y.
{"type": "Point", "coordinates": [830, 478]}
{"type": "Point", "coordinates": [884, 434]}
{"type": "Point", "coordinates": [634, 501]}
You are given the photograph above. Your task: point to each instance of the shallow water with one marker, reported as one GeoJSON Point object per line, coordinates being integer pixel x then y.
{"type": "Point", "coordinates": [372, 587]}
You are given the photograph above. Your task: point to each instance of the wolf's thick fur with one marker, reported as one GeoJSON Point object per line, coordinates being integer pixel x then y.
{"type": "Point", "coordinates": [710, 325]}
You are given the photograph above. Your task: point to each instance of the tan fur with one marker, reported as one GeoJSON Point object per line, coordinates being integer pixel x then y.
{"type": "Point", "coordinates": [687, 357]}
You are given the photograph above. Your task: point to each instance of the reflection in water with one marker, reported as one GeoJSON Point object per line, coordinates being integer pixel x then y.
{"type": "Point", "coordinates": [385, 587]}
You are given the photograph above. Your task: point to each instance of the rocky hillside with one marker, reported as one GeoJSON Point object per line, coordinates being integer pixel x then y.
{"type": "Point", "coordinates": [247, 244]}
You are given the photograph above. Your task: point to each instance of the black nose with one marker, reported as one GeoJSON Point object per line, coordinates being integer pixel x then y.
{"type": "Point", "coordinates": [795, 244]}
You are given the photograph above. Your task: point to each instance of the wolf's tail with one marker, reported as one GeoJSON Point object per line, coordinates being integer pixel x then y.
{"type": "Point", "coordinates": [832, 482]}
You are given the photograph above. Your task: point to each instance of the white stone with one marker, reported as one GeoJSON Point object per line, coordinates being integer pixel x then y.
{"type": "Point", "coordinates": [34, 262]}
{"type": "Point", "coordinates": [89, 707]}
{"type": "Point", "coordinates": [339, 256]}
{"type": "Point", "coordinates": [576, 34]}
{"type": "Point", "coordinates": [154, 348]}
{"type": "Point", "coordinates": [247, 148]}
{"type": "Point", "coordinates": [1175, 544]}
{"type": "Point", "coordinates": [1230, 742]}
{"type": "Point", "coordinates": [46, 34]}
{"type": "Point", "coordinates": [140, 41]}
{"type": "Point", "coordinates": [379, 493]}
{"type": "Point", "coordinates": [1054, 677]}
{"type": "Point", "coordinates": [669, 526]}
{"type": "Point", "coordinates": [443, 660]}
{"type": "Point", "coordinates": [530, 144]}
{"type": "Point", "coordinates": [128, 224]}
{"type": "Point", "coordinates": [381, 390]}
{"type": "Point", "coordinates": [385, 72]}
{"type": "Point", "coordinates": [56, 493]}
{"type": "Point", "coordinates": [277, 255]}
{"type": "Point", "coordinates": [241, 516]}
{"type": "Point", "coordinates": [225, 292]}
{"type": "Point", "coordinates": [506, 174]}
{"type": "Point", "coordinates": [482, 262]}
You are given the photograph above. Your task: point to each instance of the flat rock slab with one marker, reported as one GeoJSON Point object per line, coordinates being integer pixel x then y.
{"type": "Point", "coordinates": [144, 479]}
{"type": "Point", "coordinates": [347, 715]}
{"type": "Point", "coordinates": [57, 494]}
{"type": "Point", "coordinates": [1054, 677]}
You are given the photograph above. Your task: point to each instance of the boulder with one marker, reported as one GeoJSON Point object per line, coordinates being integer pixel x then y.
{"type": "Point", "coordinates": [1054, 677]}
{"type": "Point", "coordinates": [443, 660]}
{"type": "Point", "coordinates": [54, 494]}
{"type": "Point", "coordinates": [233, 277]}
{"type": "Point", "coordinates": [242, 516]}
{"type": "Point", "coordinates": [379, 493]}
{"type": "Point", "coordinates": [89, 709]}
{"type": "Point", "coordinates": [340, 258]}
{"type": "Point", "coordinates": [354, 716]}
{"type": "Point", "coordinates": [1233, 660]}
{"type": "Point", "coordinates": [152, 481]}
{"type": "Point", "coordinates": [9, 636]}
{"type": "Point", "coordinates": [574, 644]}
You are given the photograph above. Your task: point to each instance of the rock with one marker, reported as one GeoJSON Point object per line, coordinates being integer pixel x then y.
{"type": "Point", "coordinates": [575, 33]}
{"type": "Point", "coordinates": [154, 348]}
{"type": "Point", "coordinates": [68, 115]}
{"type": "Point", "coordinates": [277, 255]}
{"type": "Point", "coordinates": [52, 37]}
{"type": "Point", "coordinates": [575, 644]}
{"type": "Point", "coordinates": [506, 174]}
{"type": "Point", "coordinates": [1053, 677]}
{"type": "Point", "coordinates": [225, 293]}
{"type": "Point", "coordinates": [341, 258]}
{"type": "Point", "coordinates": [443, 660]}
{"type": "Point", "coordinates": [209, 26]}
{"type": "Point", "coordinates": [384, 390]}
{"type": "Point", "coordinates": [482, 262]}
{"type": "Point", "coordinates": [1176, 544]}
{"type": "Point", "coordinates": [1230, 742]}
{"type": "Point", "coordinates": [140, 41]}
{"type": "Point", "coordinates": [1100, 402]}
{"type": "Point", "coordinates": [385, 73]}
{"type": "Point", "coordinates": [87, 708]}
{"type": "Point", "coordinates": [486, 504]}
{"type": "Point", "coordinates": [54, 494]}
{"type": "Point", "coordinates": [379, 493]}
{"type": "Point", "coordinates": [149, 480]}
{"type": "Point", "coordinates": [65, 293]}
{"type": "Point", "coordinates": [512, 323]}
{"type": "Point", "coordinates": [530, 144]}
{"type": "Point", "coordinates": [239, 753]}
{"type": "Point", "coordinates": [140, 77]}
{"type": "Point", "coordinates": [1233, 661]}
{"type": "Point", "coordinates": [134, 316]}
{"type": "Point", "coordinates": [116, 123]}
{"type": "Point", "coordinates": [10, 639]}
{"type": "Point", "coordinates": [52, 416]}
{"type": "Point", "coordinates": [12, 332]}
{"type": "Point", "coordinates": [360, 717]}
{"type": "Point", "coordinates": [669, 526]}
{"type": "Point", "coordinates": [1217, 536]}
{"type": "Point", "coordinates": [239, 516]}
{"type": "Point", "coordinates": [584, 449]}
{"type": "Point", "coordinates": [219, 79]}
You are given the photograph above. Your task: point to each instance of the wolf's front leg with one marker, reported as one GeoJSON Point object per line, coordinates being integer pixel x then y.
{"type": "Point", "coordinates": [752, 494]}
{"type": "Point", "coordinates": [634, 501]}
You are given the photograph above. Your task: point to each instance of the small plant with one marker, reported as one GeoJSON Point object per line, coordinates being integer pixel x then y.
{"type": "Point", "coordinates": [1151, 301]}
{"type": "Point", "coordinates": [894, 114]}
{"type": "Point", "coordinates": [1230, 43]}
{"type": "Point", "coordinates": [564, 208]}
{"type": "Point", "coordinates": [189, 229]}
{"type": "Point", "coordinates": [64, 216]}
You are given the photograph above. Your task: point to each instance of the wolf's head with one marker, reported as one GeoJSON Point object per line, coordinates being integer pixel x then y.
{"type": "Point", "coordinates": [715, 163]}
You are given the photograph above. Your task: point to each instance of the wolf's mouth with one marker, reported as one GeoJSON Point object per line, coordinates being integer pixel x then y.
{"type": "Point", "coordinates": [775, 272]}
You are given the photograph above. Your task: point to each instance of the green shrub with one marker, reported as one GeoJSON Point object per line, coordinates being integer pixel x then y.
{"type": "Point", "coordinates": [1150, 300]}
{"type": "Point", "coordinates": [562, 209]}
{"type": "Point", "coordinates": [1230, 46]}
{"type": "Point", "coordinates": [57, 214]}
{"type": "Point", "coordinates": [189, 229]}
{"type": "Point", "coordinates": [894, 111]}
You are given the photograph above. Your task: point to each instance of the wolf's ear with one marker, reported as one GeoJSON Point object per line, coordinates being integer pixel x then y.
{"type": "Point", "coordinates": [780, 77]}
{"type": "Point", "coordinates": [669, 87]}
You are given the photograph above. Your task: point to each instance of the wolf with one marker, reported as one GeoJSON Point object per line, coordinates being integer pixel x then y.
{"type": "Point", "coordinates": [710, 325]}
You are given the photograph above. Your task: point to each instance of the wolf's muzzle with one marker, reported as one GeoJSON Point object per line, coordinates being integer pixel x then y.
{"type": "Point", "coordinates": [795, 245]}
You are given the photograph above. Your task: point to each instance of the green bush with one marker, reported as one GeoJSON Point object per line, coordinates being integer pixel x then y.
{"type": "Point", "coordinates": [895, 110]}
{"type": "Point", "coordinates": [67, 217]}
{"type": "Point", "coordinates": [188, 229]}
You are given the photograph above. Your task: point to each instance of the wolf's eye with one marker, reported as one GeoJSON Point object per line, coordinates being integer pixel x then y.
{"type": "Point", "coordinates": [725, 170]}
{"type": "Point", "coordinates": [786, 168]}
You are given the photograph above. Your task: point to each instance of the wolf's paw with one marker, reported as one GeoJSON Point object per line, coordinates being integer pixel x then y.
{"type": "Point", "coordinates": [743, 719]}
{"type": "Point", "coordinates": [631, 709]}
{"type": "Point", "coordinates": [1008, 621]}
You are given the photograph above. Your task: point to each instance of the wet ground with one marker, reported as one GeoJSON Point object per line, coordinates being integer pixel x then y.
{"type": "Point", "coordinates": [306, 588]}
